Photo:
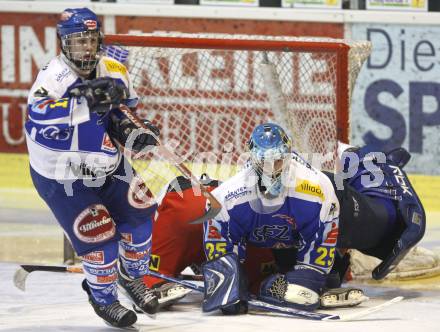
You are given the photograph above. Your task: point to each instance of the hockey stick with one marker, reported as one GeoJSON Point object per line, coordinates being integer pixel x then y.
{"type": "Point", "coordinates": [24, 270]}
{"type": "Point", "coordinates": [22, 273]}
{"type": "Point", "coordinates": [265, 306]}
{"type": "Point", "coordinates": [214, 206]}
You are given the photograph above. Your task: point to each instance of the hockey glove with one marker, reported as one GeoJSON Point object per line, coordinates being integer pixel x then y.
{"type": "Point", "coordinates": [121, 130]}
{"type": "Point", "coordinates": [102, 94]}
{"type": "Point", "coordinates": [298, 289]}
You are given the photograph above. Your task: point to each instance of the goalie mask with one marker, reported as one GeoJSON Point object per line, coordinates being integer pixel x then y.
{"type": "Point", "coordinates": [270, 149]}
{"type": "Point", "coordinates": [79, 32]}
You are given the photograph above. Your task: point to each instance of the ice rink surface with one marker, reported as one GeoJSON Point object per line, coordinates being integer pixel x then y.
{"type": "Point", "coordinates": [55, 302]}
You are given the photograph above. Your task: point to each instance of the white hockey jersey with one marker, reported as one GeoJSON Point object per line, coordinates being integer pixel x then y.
{"type": "Point", "coordinates": [305, 215]}
{"type": "Point", "coordinates": [65, 140]}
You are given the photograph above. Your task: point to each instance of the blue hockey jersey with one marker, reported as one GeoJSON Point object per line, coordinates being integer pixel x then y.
{"type": "Point", "coordinates": [64, 140]}
{"type": "Point", "coordinates": [305, 215]}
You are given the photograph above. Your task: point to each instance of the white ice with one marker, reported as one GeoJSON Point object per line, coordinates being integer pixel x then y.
{"type": "Point", "coordinates": [55, 302]}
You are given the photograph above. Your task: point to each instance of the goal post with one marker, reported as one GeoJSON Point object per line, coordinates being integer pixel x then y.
{"type": "Point", "coordinates": [208, 91]}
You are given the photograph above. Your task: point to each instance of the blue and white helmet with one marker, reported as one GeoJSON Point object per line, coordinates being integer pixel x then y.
{"type": "Point", "coordinates": [269, 148]}
{"type": "Point", "coordinates": [79, 31]}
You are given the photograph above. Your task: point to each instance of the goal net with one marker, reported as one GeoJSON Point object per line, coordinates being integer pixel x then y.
{"type": "Point", "coordinates": [207, 92]}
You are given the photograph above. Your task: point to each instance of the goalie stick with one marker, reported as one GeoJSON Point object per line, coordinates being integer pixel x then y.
{"type": "Point", "coordinates": [268, 307]}
{"type": "Point", "coordinates": [214, 205]}
{"type": "Point", "coordinates": [24, 270]}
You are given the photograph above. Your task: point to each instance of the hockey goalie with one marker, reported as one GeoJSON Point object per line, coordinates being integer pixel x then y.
{"type": "Point", "coordinates": [384, 220]}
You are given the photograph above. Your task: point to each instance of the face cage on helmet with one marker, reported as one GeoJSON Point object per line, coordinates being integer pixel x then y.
{"type": "Point", "coordinates": [269, 177]}
{"type": "Point", "coordinates": [80, 52]}
{"type": "Point", "coordinates": [266, 167]}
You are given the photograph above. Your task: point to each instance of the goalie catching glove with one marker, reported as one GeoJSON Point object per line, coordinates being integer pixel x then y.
{"type": "Point", "coordinates": [102, 94]}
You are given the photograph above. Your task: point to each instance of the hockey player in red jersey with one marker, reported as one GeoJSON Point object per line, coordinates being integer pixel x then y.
{"type": "Point", "coordinates": [177, 243]}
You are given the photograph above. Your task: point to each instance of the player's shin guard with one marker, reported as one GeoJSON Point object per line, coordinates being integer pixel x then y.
{"type": "Point", "coordinates": [134, 258]}
{"type": "Point", "coordinates": [100, 268]}
{"type": "Point", "coordinates": [134, 249]}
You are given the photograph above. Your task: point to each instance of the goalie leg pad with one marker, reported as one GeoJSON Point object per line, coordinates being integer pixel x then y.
{"type": "Point", "coordinates": [225, 283]}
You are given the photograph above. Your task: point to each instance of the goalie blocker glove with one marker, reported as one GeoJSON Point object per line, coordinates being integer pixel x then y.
{"type": "Point", "coordinates": [102, 94]}
{"type": "Point", "coordinates": [225, 285]}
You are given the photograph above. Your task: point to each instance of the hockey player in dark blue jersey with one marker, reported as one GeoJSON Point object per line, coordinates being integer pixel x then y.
{"type": "Point", "coordinates": [74, 131]}
{"type": "Point", "coordinates": [281, 202]}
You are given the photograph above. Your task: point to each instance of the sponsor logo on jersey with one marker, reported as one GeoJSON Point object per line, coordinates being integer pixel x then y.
{"type": "Point", "coordinates": [154, 262]}
{"type": "Point", "coordinates": [61, 76]}
{"type": "Point", "coordinates": [213, 233]}
{"type": "Point", "coordinates": [53, 132]}
{"type": "Point", "coordinates": [85, 171]}
{"type": "Point", "coordinates": [115, 67]}
{"type": "Point", "coordinates": [94, 225]}
{"type": "Point", "coordinates": [139, 195]}
{"type": "Point", "coordinates": [277, 232]}
{"type": "Point", "coordinates": [332, 235]}
{"type": "Point", "coordinates": [309, 188]}
{"type": "Point", "coordinates": [95, 257]}
{"type": "Point", "coordinates": [107, 144]}
{"type": "Point", "coordinates": [90, 24]}
{"type": "Point", "coordinates": [240, 192]}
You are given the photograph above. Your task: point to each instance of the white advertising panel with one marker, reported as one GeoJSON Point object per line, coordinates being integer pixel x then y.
{"type": "Point", "coordinates": [330, 4]}
{"type": "Point", "coordinates": [417, 5]}
{"type": "Point", "coordinates": [396, 100]}
{"type": "Point", "coordinates": [230, 2]}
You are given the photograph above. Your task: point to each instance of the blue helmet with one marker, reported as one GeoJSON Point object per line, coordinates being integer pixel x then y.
{"type": "Point", "coordinates": [74, 20]}
{"type": "Point", "coordinates": [75, 27]}
{"type": "Point", "coordinates": [269, 148]}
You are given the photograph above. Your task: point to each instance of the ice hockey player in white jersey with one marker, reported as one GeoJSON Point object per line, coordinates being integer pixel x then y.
{"type": "Point", "coordinates": [73, 132]}
{"type": "Point", "coordinates": [276, 202]}
{"type": "Point", "coordinates": [281, 202]}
